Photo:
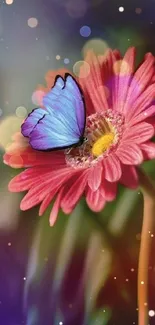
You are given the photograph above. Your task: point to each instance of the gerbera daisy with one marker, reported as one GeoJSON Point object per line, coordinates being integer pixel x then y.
{"type": "Point", "coordinates": [119, 126]}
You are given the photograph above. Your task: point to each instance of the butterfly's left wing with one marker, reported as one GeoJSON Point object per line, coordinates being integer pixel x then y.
{"type": "Point", "coordinates": [38, 113]}
{"type": "Point", "coordinates": [64, 125]}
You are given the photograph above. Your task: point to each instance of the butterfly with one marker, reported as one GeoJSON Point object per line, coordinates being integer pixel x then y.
{"type": "Point", "coordinates": [62, 123]}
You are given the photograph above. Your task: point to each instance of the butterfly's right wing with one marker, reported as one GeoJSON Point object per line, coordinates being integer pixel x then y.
{"type": "Point", "coordinates": [69, 104]}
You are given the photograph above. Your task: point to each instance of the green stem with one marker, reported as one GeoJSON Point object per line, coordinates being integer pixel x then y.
{"type": "Point", "coordinates": [148, 191]}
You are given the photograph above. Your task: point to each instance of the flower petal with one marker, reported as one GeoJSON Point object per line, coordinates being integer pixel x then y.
{"type": "Point", "coordinates": [91, 84]}
{"type": "Point", "coordinates": [95, 200]}
{"type": "Point", "coordinates": [36, 176]}
{"type": "Point", "coordinates": [139, 133]}
{"type": "Point", "coordinates": [95, 176]}
{"type": "Point", "coordinates": [112, 168]}
{"type": "Point", "coordinates": [108, 190]}
{"type": "Point", "coordinates": [55, 209]}
{"type": "Point", "coordinates": [144, 115]}
{"type": "Point", "coordinates": [129, 176]}
{"type": "Point", "coordinates": [141, 104]}
{"type": "Point", "coordinates": [111, 79]}
{"type": "Point", "coordinates": [129, 154]}
{"type": "Point", "coordinates": [148, 150]}
{"type": "Point", "coordinates": [45, 203]}
{"type": "Point", "coordinates": [76, 190]}
{"type": "Point", "coordinates": [28, 157]}
{"type": "Point", "coordinates": [44, 186]}
{"type": "Point", "coordinates": [125, 74]}
{"type": "Point", "coordinates": [140, 81]}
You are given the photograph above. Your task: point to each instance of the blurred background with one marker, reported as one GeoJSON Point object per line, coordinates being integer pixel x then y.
{"type": "Point", "coordinates": [83, 271]}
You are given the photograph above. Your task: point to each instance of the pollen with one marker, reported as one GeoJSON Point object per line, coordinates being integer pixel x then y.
{"type": "Point", "coordinates": [103, 132]}
{"type": "Point", "coordinates": [102, 144]}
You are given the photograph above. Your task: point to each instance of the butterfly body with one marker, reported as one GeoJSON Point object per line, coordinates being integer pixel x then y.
{"type": "Point", "coordinates": [61, 124]}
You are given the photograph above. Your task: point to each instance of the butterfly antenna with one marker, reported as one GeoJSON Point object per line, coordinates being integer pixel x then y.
{"type": "Point", "coordinates": [68, 150]}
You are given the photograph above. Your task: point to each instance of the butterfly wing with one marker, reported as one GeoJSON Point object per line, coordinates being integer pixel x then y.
{"type": "Point", "coordinates": [64, 125]}
{"type": "Point", "coordinates": [73, 89]}
{"type": "Point", "coordinates": [68, 103]}
{"type": "Point", "coordinates": [38, 113]}
{"type": "Point", "coordinates": [31, 121]}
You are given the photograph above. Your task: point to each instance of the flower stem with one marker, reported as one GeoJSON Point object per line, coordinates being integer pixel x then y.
{"type": "Point", "coordinates": [148, 191]}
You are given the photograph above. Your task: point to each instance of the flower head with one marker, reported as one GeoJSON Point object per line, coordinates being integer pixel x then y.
{"type": "Point", "coordinates": [119, 127]}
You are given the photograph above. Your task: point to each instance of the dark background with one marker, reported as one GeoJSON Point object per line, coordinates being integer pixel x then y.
{"type": "Point", "coordinates": [84, 270]}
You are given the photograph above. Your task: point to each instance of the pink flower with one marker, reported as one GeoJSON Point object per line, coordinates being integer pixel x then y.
{"type": "Point", "coordinates": [119, 127]}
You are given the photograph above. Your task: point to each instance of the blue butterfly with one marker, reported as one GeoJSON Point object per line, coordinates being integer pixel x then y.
{"type": "Point", "coordinates": [62, 124]}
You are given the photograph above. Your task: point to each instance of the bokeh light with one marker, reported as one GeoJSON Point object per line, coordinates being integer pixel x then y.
{"type": "Point", "coordinates": [121, 9]}
{"type": "Point", "coordinates": [37, 97]}
{"type": "Point", "coordinates": [9, 126]}
{"type": "Point", "coordinates": [151, 313]}
{"type": "Point", "coordinates": [32, 22]}
{"type": "Point", "coordinates": [66, 61]}
{"type": "Point", "coordinates": [138, 11]}
{"type": "Point", "coordinates": [58, 57]}
{"type": "Point", "coordinates": [121, 68]}
{"type": "Point", "coordinates": [85, 31]}
{"type": "Point", "coordinates": [21, 112]}
{"type": "Point", "coordinates": [9, 2]}
{"type": "Point", "coordinates": [76, 9]}
{"type": "Point", "coordinates": [99, 46]}
{"type": "Point", "coordinates": [16, 161]}
{"type": "Point", "coordinates": [81, 68]}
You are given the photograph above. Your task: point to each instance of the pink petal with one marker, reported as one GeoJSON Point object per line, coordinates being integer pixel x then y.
{"type": "Point", "coordinates": [109, 82]}
{"type": "Point", "coordinates": [129, 176]}
{"type": "Point", "coordinates": [55, 209]}
{"type": "Point", "coordinates": [147, 113]}
{"type": "Point", "coordinates": [112, 84]}
{"type": "Point", "coordinates": [36, 175]}
{"type": "Point", "coordinates": [151, 120]}
{"type": "Point", "coordinates": [67, 209]}
{"type": "Point", "coordinates": [95, 176]}
{"type": "Point", "coordinates": [141, 104]}
{"type": "Point", "coordinates": [129, 154]}
{"type": "Point", "coordinates": [140, 81]}
{"type": "Point", "coordinates": [117, 54]}
{"type": "Point", "coordinates": [53, 188]}
{"type": "Point", "coordinates": [27, 178]}
{"type": "Point", "coordinates": [125, 75]}
{"type": "Point", "coordinates": [95, 200]}
{"type": "Point", "coordinates": [28, 157]}
{"type": "Point", "coordinates": [108, 190]}
{"type": "Point", "coordinates": [45, 203]}
{"type": "Point", "coordinates": [148, 150]}
{"type": "Point", "coordinates": [91, 83]}
{"type": "Point", "coordinates": [139, 133]}
{"type": "Point", "coordinates": [112, 168]}
{"type": "Point", "coordinates": [41, 189]}
{"type": "Point", "coordinates": [76, 190]}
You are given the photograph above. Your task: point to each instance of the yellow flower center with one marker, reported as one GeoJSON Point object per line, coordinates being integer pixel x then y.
{"type": "Point", "coordinates": [103, 131]}
{"type": "Point", "coordinates": [102, 144]}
